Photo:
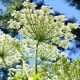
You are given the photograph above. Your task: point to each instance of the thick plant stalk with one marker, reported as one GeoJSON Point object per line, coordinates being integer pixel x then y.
{"type": "Point", "coordinates": [35, 58]}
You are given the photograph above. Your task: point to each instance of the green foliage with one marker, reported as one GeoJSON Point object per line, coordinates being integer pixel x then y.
{"type": "Point", "coordinates": [66, 69]}
{"type": "Point", "coordinates": [18, 76]}
{"type": "Point", "coordinates": [36, 76]}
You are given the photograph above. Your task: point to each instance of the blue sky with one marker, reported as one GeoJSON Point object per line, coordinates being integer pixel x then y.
{"type": "Point", "coordinates": [2, 6]}
{"type": "Point", "coordinates": [64, 8]}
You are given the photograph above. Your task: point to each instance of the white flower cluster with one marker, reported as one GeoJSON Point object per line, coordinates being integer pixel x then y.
{"type": "Point", "coordinates": [14, 24]}
{"type": "Point", "coordinates": [45, 10]}
{"type": "Point", "coordinates": [41, 26]}
{"type": "Point", "coordinates": [10, 49]}
{"type": "Point", "coordinates": [29, 5]}
{"type": "Point", "coordinates": [48, 52]}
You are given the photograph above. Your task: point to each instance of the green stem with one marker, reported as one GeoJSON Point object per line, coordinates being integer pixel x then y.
{"type": "Point", "coordinates": [24, 68]}
{"type": "Point", "coordinates": [35, 58]}
{"type": "Point", "coordinates": [5, 63]}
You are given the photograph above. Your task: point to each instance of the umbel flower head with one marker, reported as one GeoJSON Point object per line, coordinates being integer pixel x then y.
{"type": "Point", "coordinates": [10, 49]}
{"type": "Point", "coordinates": [43, 31]}
{"type": "Point", "coordinates": [41, 26]}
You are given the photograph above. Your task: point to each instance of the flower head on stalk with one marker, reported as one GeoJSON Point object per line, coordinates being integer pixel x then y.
{"type": "Point", "coordinates": [43, 29]}
{"type": "Point", "coordinates": [10, 50]}
{"type": "Point", "coordinates": [41, 26]}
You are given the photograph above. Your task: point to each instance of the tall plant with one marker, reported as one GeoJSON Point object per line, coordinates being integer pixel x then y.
{"type": "Point", "coordinates": [43, 29]}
